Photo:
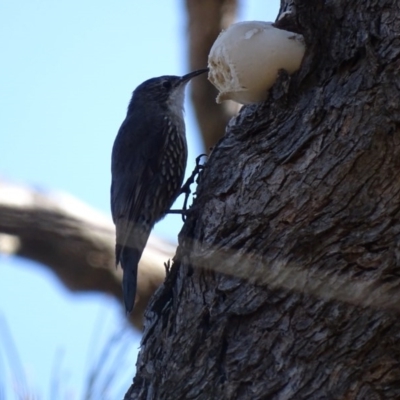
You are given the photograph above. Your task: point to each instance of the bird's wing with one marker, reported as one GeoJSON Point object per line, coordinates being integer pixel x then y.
{"type": "Point", "coordinates": [135, 161]}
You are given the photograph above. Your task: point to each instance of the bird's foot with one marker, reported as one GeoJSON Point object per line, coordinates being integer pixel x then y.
{"type": "Point", "coordinates": [192, 179]}
{"type": "Point", "coordinates": [181, 212]}
{"type": "Point", "coordinates": [186, 188]}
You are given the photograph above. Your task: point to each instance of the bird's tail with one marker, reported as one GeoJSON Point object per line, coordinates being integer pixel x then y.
{"type": "Point", "coordinates": [131, 241]}
{"type": "Point", "coordinates": [129, 259]}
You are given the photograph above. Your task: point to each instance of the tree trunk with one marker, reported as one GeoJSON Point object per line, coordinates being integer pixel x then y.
{"type": "Point", "coordinates": [286, 281]}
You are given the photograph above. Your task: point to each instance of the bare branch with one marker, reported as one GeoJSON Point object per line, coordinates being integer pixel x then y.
{"type": "Point", "coordinates": [74, 241]}
{"type": "Point", "coordinates": [206, 20]}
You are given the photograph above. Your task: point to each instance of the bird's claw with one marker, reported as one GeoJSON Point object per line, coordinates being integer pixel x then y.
{"type": "Point", "coordinates": [186, 187]}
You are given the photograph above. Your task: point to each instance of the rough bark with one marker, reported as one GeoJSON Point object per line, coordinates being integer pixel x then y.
{"type": "Point", "coordinates": [75, 242]}
{"type": "Point", "coordinates": [206, 19]}
{"type": "Point", "coordinates": [286, 280]}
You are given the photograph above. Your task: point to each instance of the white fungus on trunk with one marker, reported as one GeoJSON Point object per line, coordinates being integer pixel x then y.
{"type": "Point", "coordinates": [245, 59]}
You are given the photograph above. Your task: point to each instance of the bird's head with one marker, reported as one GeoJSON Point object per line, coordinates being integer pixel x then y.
{"type": "Point", "coordinates": [167, 89]}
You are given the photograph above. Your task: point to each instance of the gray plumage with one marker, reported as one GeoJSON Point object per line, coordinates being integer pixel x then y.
{"type": "Point", "coordinates": [148, 166]}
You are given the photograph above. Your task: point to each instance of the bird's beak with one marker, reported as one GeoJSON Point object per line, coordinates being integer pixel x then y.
{"type": "Point", "coordinates": [186, 78]}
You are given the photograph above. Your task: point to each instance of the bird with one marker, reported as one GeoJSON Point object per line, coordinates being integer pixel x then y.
{"type": "Point", "coordinates": [148, 163]}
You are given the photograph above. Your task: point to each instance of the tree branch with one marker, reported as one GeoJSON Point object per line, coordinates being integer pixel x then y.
{"type": "Point", "coordinates": [75, 242]}
{"type": "Point", "coordinates": [206, 20]}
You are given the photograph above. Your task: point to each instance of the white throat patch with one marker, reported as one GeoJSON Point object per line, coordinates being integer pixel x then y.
{"type": "Point", "coordinates": [176, 100]}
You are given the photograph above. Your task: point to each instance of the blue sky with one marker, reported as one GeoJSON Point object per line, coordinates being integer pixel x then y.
{"type": "Point", "coordinates": [67, 72]}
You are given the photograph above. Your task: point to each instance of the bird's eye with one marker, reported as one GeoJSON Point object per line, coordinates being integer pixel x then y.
{"type": "Point", "coordinates": [167, 85]}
